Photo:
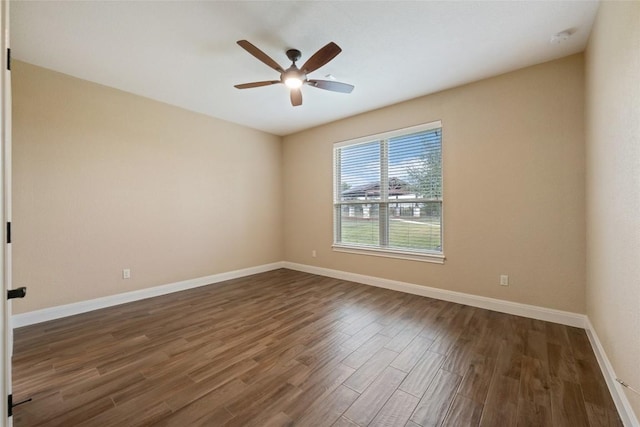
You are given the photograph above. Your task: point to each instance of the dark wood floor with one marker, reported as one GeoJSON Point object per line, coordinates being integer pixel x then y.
{"type": "Point", "coordinates": [289, 348]}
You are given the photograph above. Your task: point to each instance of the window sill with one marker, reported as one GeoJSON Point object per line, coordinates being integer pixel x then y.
{"type": "Point", "coordinates": [391, 253]}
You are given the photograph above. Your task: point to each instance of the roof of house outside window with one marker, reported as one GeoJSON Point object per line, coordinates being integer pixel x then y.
{"type": "Point", "coordinates": [397, 187]}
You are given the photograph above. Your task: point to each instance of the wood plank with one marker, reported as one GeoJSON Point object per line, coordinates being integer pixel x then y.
{"type": "Point", "coordinates": [503, 389]}
{"type": "Point", "coordinates": [127, 413]}
{"type": "Point", "coordinates": [317, 388]}
{"type": "Point", "coordinates": [536, 346]}
{"type": "Point", "coordinates": [434, 405]}
{"type": "Point", "coordinates": [421, 375]}
{"type": "Point", "coordinates": [567, 405]}
{"type": "Point", "coordinates": [531, 414]}
{"type": "Point", "coordinates": [593, 384]}
{"type": "Point", "coordinates": [365, 408]}
{"type": "Point", "coordinates": [396, 411]}
{"type": "Point", "coordinates": [488, 344]}
{"type": "Point", "coordinates": [367, 373]}
{"type": "Point", "coordinates": [556, 334]}
{"type": "Point", "coordinates": [362, 336]}
{"type": "Point", "coordinates": [503, 416]}
{"type": "Point", "coordinates": [534, 386]}
{"type": "Point", "coordinates": [344, 422]}
{"type": "Point", "coordinates": [460, 357]}
{"type": "Point", "coordinates": [412, 354]}
{"type": "Point", "coordinates": [198, 389]}
{"type": "Point", "coordinates": [476, 381]}
{"type": "Point", "coordinates": [402, 340]}
{"type": "Point", "coordinates": [219, 416]}
{"type": "Point", "coordinates": [329, 410]}
{"type": "Point", "coordinates": [580, 344]}
{"type": "Point", "coordinates": [561, 362]}
{"type": "Point", "coordinates": [199, 409]}
{"type": "Point", "coordinates": [366, 351]}
{"type": "Point", "coordinates": [509, 362]}
{"type": "Point", "coordinates": [463, 412]}
{"type": "Point", "coordinates": [28, 416]}
{"type": "Point", "coordinates": [196, 415]}
{"type": "Point", "coordinates": [603, 417]}
{"type": "Point", "coordinates": [272, 399]}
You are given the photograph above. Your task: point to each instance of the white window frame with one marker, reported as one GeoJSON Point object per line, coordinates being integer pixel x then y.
{"type": "Point", "coordinates": [425, 256]}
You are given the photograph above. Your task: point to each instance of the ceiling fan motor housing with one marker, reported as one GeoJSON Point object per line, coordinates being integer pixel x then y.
{"type": "Point", "coordinates": [293, 76]}
{"type": "Point", "coordinates": [293, 55]}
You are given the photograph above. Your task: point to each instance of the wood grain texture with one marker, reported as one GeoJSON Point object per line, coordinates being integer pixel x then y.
{"type": "Point", "coordinates": [408, 358]}
{"type": "Point", "coordinates": [396, 411]}
{"type": "Point", "coordinates": [463, 412]}
{"type": "Point", "coordinates": [287, 348]}
{"type": "Point", "coordinates": [435, 403]}
{"type": "Point", "coordinates": [421, 375]}
{"type": "Point", "coordinates": [365, 408]}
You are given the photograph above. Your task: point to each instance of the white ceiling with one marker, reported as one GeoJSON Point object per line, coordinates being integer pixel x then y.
{"type": "Point", "coordinates": [185, 53]}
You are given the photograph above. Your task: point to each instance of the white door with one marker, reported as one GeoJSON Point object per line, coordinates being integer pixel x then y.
{"type": "Point", "coordinates": [5, 215]}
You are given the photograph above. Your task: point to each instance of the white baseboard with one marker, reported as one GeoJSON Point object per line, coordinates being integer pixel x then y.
{"type": "Point", "coordinates": [617, 391]}
{"type": "Point", "coordinates": [38, 316]}
{"type": "Point", "coordinates": [525, 310]}
{"type": "Point", "coordinates": [557, 316]}
{"type": "Point", "coordinates": [518, 309]}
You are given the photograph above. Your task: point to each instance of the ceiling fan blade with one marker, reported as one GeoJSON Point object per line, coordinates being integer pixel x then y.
{"type": "Point", "coordinates": [331, 85]}
{"type": "Point", "coordinates": [321, 57]}
{"type": "Point", "coordinates": [260, 55]}
{"type": "Point", "coordinates": [296, 97]}
{"type": "Point", "coordinates": [257, 84]}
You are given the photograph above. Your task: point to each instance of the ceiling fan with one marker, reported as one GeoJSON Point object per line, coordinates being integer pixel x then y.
{"type": "Point", "coordinates": [294, 77]}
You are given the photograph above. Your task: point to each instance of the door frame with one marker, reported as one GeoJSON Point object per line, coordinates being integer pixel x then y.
{"type": "Point", "coordinates": [6, 343]}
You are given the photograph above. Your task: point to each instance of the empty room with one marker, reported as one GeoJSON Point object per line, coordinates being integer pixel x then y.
{"type": "Point", "coordinates": [320, 213]}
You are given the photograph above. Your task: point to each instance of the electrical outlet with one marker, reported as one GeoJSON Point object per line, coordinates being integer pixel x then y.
{"type": "Point", "coordinates": [504, 280]}
{"type": "Point", "coordinates": [313, 253]}
{"type": "Point", "coordinates": [126, 273]}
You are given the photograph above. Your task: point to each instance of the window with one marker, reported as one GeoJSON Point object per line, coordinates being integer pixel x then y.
{"type": "Point", "coordinates": [388, 194]}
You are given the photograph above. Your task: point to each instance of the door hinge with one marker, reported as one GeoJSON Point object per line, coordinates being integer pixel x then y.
{"type": "Point", "coordinates": [20, 292]}
{"type": "Point", "coordinates": [8, 232]}
{"type": "Point", "coordinates": [9, 59]}
{"type": "Point", "coordinates": [12, 405]}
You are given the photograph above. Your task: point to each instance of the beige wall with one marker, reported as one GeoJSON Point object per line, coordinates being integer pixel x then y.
{"type": "Point", "coordinates": [613, 186]}
{"type": "Point", "coordinates": [513, 153]}
{"type": "Point", "coordinates": [105, 180]}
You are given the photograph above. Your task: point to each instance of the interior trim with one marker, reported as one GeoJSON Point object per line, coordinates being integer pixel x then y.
{"type": "Point", "coordinates": [519, 309]}
{"type": "Point", "coordinates": [51, 313]}
{"type": "Point", "coordinates": [435, 258]}
{"type": "Point", "coordinates": [617, 391]}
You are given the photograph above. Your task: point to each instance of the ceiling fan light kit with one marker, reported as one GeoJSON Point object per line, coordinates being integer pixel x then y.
{"type": "Point", "coordinates": [294, 77]}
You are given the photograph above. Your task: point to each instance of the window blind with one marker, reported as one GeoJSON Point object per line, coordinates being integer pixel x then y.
{"type": "Point", "coordinates": [388, 191]}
